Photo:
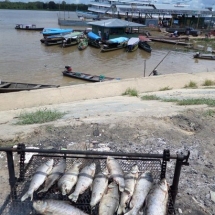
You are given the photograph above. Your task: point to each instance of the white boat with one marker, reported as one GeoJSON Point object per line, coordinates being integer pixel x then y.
{"type": "Point", "coordinates": [132, 44]}
{"type": "Point", "coordinates": [87, 15]}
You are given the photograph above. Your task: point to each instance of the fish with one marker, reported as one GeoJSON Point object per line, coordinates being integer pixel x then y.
{"type": "Point", "coordinates": [55, 174]}
{"type": "Point", "coordinates": [85, 180]}
{"type": "Point", "coordinates": [141, 190]}
{"type": "Point", "coordinates": [56, 207]}
{"type": "Point", "coordinates": [116, 172]}
{"type": "Point", "coordinates": [99, 187]}
{"type": "Point", "coordinates": [156, 201]}
{"type": "Point", "coordinates": [38, 179]}
{"type": "Point", "coordinates": [69, 179]}
{"type": "Point", "coordinates": [110, 200]}
{"type": "Point", "coordinates": [130, 181]}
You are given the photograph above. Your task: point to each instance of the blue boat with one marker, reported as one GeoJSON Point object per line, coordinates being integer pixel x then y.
{"type": "Point", "coordinates": [118, 40]}
{"type": "Point", "coordinates": [93, 36]}
{"type": "Point", "coordinates": [114, 44]}
{"type": "Point", "coordinates": [54, 31]}
{"type": "Point", "coordinates": [94, 40]}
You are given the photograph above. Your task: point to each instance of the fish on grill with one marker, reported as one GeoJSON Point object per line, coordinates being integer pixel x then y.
{"type": "Point", "coordinates": [69, 179]}
{"type": "Point", "coordinates": [110, 200]}
{"type": "Point", "coordinates": [85, 180]}
{"type": "Point", "coordinates": [99, 187]}
{"type": "Point", "coordinates": [55, 174]}
{"type": "Point", "coordinates": [116, 172]}
{"type": "Point", "coordinates": [156, 201]}
{"type": "Point", "coordinates": [141, 190]}
{"type": "Point", "coordinates": [56, 207]}
{"type": "Point", "coordinates": [130, 181]}
{"type": "Point", "coordinates": [38, 178]}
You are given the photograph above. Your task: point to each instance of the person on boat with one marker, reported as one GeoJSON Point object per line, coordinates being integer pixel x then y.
{"type": "Point", "coordinates": [68, 68]}
{"type": "Point", "coordinates": [175, 33]}
{"type": "Point", "coordinates": [155, 72]}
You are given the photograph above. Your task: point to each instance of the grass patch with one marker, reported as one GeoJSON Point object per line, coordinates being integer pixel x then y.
{"type": "Point", "coordinates": [165, 88]}
{"type": "Point", "coordinates": [150, 97]}
{"type": "Point", "coordinates": [39, 116]}
{"type": "Point", "coordinates": [191, 84]}
{"type": "Point", "coordinates": [170, 100]}
{"type": "Point", "coordinates": [208, 83]}
{"type": "Point", "coordinates": [200, 101]}
{"type": "Point", "coordinates": [209, 113]}
{"type": "Point", "coordinates": [130, 92]}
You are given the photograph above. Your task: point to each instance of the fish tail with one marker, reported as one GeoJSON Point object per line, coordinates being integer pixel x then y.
{"type": "Point", "coordinates": [43, 190]}
{"type": "Point", "coordinates": [64, 190]}
{"type": "Point", "coordinates": [73, 197]}
{"type": "Point", "coordinates": [25, 197]}
{"type": "Point", "coordinates": [131, 212]}
{"type": "Point", "coordinates": [119, 211]}
{"type": "Point", "coordinates": [121, 188]}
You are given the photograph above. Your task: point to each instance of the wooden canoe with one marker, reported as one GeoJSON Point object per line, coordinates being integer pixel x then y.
{"type": "Point", "coordinates": [204, 56]}
{"type": "Point", "coordinates": [7, 87]}
{"type": "Point", "coordinates": [87, 77]}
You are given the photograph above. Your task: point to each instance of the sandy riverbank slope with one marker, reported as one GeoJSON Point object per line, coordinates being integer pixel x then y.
{"type": "Point", "coordinates": [126, 124]}
{"type": "Point", "coordinates": [37, 98]}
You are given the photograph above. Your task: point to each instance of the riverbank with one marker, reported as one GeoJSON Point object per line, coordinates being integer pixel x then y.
{"type": "Point", "coordinates": [37, 98]}
{"type": "Point", "coordinates": [124, 124]}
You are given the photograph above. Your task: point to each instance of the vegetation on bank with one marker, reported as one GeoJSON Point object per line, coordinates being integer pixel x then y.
{"type": "Point", "coordinates": [39, 116]}
{"type": "Point", "coordinates": [130, 92]}
{"type": "Point", "coordinates": [191, 84]}
{"type": "Point", "coordinates": [191, 101]}
{"type": "Point", "coordinates": [37, 5]}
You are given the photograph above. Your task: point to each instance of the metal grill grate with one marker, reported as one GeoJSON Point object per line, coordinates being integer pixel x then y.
{"type": "Point", "coordinates": [15, 206]}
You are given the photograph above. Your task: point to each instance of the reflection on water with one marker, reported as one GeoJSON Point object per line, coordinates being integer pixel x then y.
{"type": "Point", "coordinates": [24, 58]}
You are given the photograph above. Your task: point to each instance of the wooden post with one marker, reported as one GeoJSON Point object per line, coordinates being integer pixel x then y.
{"type": "Point", "coordinates": [144, 68]}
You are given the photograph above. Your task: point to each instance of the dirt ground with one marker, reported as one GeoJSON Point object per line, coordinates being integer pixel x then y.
{"type": "Point", "coordinates": [129, 124]}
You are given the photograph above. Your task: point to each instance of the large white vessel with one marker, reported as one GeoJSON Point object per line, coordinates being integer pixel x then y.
{"type": "Point", "coordinates": [145, 8]}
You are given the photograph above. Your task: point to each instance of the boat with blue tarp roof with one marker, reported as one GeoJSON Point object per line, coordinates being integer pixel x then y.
{"type": "Point", "coordinates": [94, 40]}
{"type": "Point", "coordinates": [114, 44]}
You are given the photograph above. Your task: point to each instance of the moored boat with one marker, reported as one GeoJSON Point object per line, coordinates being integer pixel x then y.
{"type": "Point", "coordinates": [114, 44]}
{"type": "Point", "coordinates": [54, 31]}
{"type": "Point", "coordinates": [83, 44]}
{"type": "Point", "coordinates": [94, 40]}
{"type": "Point", "coordinates": [144, 45]}
{"type": "Point", "coordinates": [132, 44]}
{"type": "Point", "coordinates": [53, 40]}
{"type": "Point", "coordinates": [87, 15]}
{"type": "Point", "coordinates": [72, 39]}
{"type": "Point", "coordinates": [204, 56]}
{"type": "Point", "coordinates": [31, 27]}
{"type": "Point", "coordinates": [84, 76]}
{"type": "Point", "coordinates": [7, 87]}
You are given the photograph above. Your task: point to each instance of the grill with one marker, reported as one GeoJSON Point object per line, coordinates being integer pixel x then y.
{"type": "Point", "coordinates": [156, 163]}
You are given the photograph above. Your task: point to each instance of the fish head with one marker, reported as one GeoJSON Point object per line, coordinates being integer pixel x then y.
{"type": "Point", "coordinates": [63, 161]}
{"type": "Point", "coordinates": [50, 162]}
{"type": "Point", "coordinates": [78, 164]}
{"type": "Point", "coordinates": [163, 185]}
{"type": "Point", "coordinates": [134, 169]}
{"type": "Point", "coordinates": [112, 185]}
{"type": "Point", "coordinates": [93, 166]}
{"type": "Point", "coordinates": [109, 158]}
{"type": "Point", "coordinates": [148, 176]}
{"type": "Point", "coordinates": [40, 206]}
{"type": "Point", "coordinates": [105, 171]}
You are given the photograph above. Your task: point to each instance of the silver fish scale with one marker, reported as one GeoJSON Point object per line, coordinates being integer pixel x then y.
{"type": "Point", "coordinates": [25, 208]}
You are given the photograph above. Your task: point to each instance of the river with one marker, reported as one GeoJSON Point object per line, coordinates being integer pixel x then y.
{"type": "Point", "coordinates": [24, 59]}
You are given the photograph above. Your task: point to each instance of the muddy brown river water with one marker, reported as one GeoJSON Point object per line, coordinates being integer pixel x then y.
{"type": "Point", "coordinates": [24, 59]}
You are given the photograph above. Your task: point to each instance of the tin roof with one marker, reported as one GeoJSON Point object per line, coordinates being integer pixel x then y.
{"type": "Point", "coordinates": [115, 23]}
